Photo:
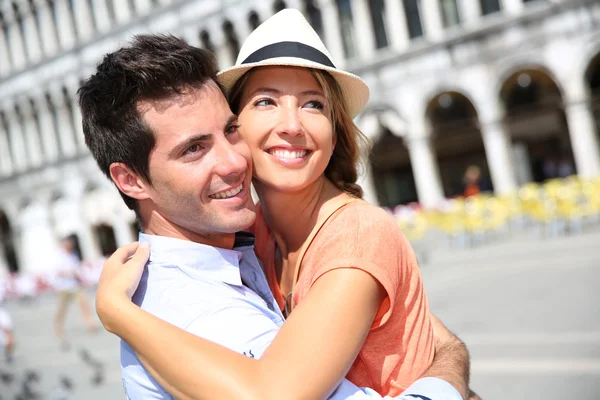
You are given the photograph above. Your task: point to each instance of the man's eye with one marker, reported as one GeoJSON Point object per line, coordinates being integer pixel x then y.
{"type": "Point", "coordinates": [195, 148]}
{"type": "Point", "coordinates": [232, 129]}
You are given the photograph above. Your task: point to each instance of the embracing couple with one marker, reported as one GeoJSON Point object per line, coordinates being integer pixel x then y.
{"type": "Point", "coordinates": [310, 294]}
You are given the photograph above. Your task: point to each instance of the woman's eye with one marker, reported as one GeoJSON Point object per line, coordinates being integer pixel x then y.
{"type": "Point", "coordinates": [315, 104]}
{"type": "Point", "coordinates": [263, 102]}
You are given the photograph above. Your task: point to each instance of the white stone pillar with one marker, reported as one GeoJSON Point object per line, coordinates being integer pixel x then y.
{"type": "Point", "coordinates": [497, 145]}
{"type": "Point", "coordinates": [332, 31]}
{"type": "Point", "coordinates": [15, 41]}
{"type": "Point", "coordinates": [101, 15]}
{"type": "Point", "coordinates": [142, 7]}
{"type": "Point", "coordinates": [38, 242]}
{"type": "Point", "coordinates": [425, 170]}
{"type": "Point", "coordinates": [66, 131]}
{"type": "Point", "coordinates": [31, 134]}
{"type": "Point", "coordinates": [47, 28]}
{"type": "Point", "coordinates": [469, 11]}
{"type": "Point", "coordinates": [83, 19]}
{"type": "Point", "coordinates": [49, 135]}
{"type": "Point", "coordinates": [122, 11]}
{"type": "Point", "coordinates": [432, 19]}
{"type": "Point", "coordinates": [123, 233]}
{"type": "Point", "coordinates": [83, 229]}
{"type": "Point", "coordinates": [363, 28]}
{"type": "Point", "coordinates": [396, 24]}
{"type": "Point", "coordinates": [66, 30]}
{"type": "Point", "coordinates": [6, 163]}
{"type": "Point", "coordinates": [512, 7]}
{"type": "Point", "coordinates": [4, 52]}
{"type": "Point", "coordinates": [222, 52]}
{"type": "Point", "coordinates": [32, 41]}
{"type": "Point", "coordinates": [584, 139]}
{"type": "Point", "coordinates": [17, 144]}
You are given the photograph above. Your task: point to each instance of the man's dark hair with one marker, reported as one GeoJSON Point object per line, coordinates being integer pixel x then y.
{"type": "Point", "coordinates": [151, 68]}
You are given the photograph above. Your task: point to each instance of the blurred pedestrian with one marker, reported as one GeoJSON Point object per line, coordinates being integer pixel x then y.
{"type": "Point", "coordinates": [7, 337]}
{"type": "Point", "coordinates": [473, 182]}
{"type": "Point", "coordinates": [69, 288]}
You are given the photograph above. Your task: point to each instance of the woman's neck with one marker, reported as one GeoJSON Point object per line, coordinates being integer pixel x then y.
{"type": "Point", "coordinates": [291, 216]}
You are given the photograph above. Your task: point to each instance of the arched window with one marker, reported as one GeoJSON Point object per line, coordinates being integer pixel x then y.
{"type": "Point", "coordinates": [314, 16]}
{"type": "Point", "coordinates": [377, 9]}
{"type": "Point", "coordinates": [346, 27]}
{"type": "Point", "coordinates": [489, 6]}
{"type": "Point", "coordinates": [413, 18]}
{"type": "Point", "coordinates": [206, 42]}
{"type": "Point", "coordinates": [278, 6]}
{"type": "Point", "coordinates": [253, 20]}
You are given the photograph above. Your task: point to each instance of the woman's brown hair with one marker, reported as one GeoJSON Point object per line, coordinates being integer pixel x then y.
{"type": "Point", "coordinates": [342, 169]}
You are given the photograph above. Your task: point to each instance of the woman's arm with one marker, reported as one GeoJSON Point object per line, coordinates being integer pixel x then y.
{"type": "Point", "coordinates": [309, 356]}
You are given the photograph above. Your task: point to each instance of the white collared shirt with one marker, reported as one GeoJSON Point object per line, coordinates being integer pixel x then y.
{"type": "Point", "coordinates": [221, 295]}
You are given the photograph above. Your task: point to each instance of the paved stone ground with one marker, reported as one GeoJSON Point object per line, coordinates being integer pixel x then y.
{"type": "Point", "coordinates": [529, 311]}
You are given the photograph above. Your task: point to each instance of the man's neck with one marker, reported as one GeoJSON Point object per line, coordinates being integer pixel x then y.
{"type": "Point", "coordinates": [158, 225]}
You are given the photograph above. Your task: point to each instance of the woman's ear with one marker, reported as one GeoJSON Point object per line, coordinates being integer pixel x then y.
{"type": "Point", "coordinates": [129, 182]}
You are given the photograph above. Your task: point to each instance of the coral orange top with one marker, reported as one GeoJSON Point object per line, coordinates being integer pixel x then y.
{"type": "Point", "coordinates": [399, 347]}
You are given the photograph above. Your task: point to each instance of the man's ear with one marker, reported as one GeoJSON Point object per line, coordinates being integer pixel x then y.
{"type": "Point", "coordinates": [129, 182]}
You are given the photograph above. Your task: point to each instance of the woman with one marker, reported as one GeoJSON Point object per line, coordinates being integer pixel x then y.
{"type": "Point", "coordinates": [320, 243]}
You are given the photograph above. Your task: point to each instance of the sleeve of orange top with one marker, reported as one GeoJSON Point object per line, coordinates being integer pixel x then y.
{"type": "Point", "coordinates": [366, 238]}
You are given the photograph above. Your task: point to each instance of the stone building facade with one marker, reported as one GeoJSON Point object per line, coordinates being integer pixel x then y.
{"type": "Point", "coordinates": [509, 85]}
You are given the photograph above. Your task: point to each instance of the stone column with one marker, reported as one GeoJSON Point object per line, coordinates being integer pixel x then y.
{"type": "Point", "coordinates": [584, 139]}
{"type": "Point", "coordinates": [66, 30]}
{"type": "Point", "coordinates": [47, 28]}
{"type": "Point", "coordinates": [432, 19]}
{"type": "Point", "coordinates": [363, 28]}
{"type": "Point", "coordinates": [4, 52]}
{"type": "Point", "coordinates": [123, 233]}
{"type": "Point", "coordinates": [497, 145]}
{"type": "Point", "coordinates": [469, 11]}
{"type": "Point", "coordinates": [66, 131]}
{"type": "Point", "coordinates": [101, 15]}
{"type": "Point", "coordinates": [15, 40]}
{"type": "Point", "coordinates": [6, 159]}
{"type": "Point", "coordinates": [332, 31]}
{"type": "Point", "coordinates": [32, 37]}
{"type": "Point", "coordinates": [217, 36]}
{"type": "Point", "coordinates": [84, 22]}
{"type": "Point", "coordinates": [31, 134]}
{"type": "Point", "coordinates": [425, 170]}
{"type": "Point", "coordinates": [38, 242]}
{"type": "Point", "coordinates": [512, 7]}
{"type": "Point", "coordinates": [396, 24]}
{"type": "Point", "coordinates": [15, 134]}
{"type": "Point", "coordinates": [48, 132]}
{"type": "Point", "coordinates": [122, 11]}
{"type": "Point", "coordinates": [75, 112]}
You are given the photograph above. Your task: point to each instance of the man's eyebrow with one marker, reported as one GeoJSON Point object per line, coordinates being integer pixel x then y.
{"type": "Point", "coordinates": [192, 139]}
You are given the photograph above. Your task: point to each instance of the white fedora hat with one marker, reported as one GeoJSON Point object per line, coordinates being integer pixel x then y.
{"type": "Point", "coordinates": [288, 39]}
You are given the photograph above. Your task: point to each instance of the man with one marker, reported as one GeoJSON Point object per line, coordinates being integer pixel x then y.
{"type": "Point", "coordinates": [7, 336]}
{"type": "Point", "coordinates": [67, 285]}
{"type": "Point", "coordinates": [160, 127]}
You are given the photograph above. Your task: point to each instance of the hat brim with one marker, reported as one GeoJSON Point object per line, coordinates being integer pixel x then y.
{"type": "Point", "coordinates": [354, 90]}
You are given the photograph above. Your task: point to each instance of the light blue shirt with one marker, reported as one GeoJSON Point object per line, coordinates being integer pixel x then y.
{"type": "Point", "coordinates": [222, 295]}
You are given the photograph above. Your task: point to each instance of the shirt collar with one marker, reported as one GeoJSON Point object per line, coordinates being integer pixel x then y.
{"type": "Point", "coordinates": [195, 259]}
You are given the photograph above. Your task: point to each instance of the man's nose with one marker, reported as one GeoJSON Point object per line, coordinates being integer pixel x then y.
{"type": "Point", "coordinates": [229, 160]}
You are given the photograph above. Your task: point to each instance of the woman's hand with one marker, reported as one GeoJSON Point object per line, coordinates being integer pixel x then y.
{"type": "Point", "coordinates": [120, 278]}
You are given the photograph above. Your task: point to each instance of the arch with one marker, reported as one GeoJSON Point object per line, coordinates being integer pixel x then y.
{"type": "Point", "coordinates": [389, 159]}
{"type": "Point", "coordinates": [522, 63]}
{"type": "Point", "coordinates": [454, 127]}
{"type": "Point", "coordinates": [8, 253]}
{"type": "Point", "coordinates": [536, 122]}
{"type": "Point", "coordinates": [592, 80]}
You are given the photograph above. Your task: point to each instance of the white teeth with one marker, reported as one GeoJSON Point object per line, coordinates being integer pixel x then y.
{"type": "Point", "coordinates": [227, 194]}
{"type": "Point", "coordinates": [289, 155]}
